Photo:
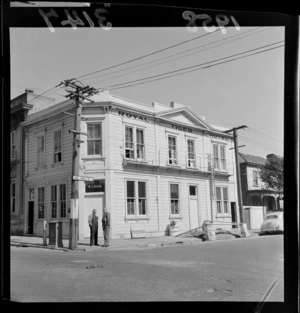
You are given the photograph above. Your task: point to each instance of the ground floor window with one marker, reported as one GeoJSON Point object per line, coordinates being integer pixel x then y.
{"type": "Point", "coordinates": [136, 198]}
{"type": "Point", "coordinates": [63, 200]}
{"type": "Point", "coordinates": [41, 203]}
{"type": "Point", "coordinates": [174, 199]}
{"type": "Point", "coordinates": [58, 201]}
{"type": "Point", "coordinates": [222, 200]}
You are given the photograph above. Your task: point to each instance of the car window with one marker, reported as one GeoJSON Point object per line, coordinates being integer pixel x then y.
{"type": "Point", "coordinates": [271, 216]}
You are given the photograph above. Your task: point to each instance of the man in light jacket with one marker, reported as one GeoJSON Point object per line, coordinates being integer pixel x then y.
{"type": "Point", "coordinates": [106, 226]}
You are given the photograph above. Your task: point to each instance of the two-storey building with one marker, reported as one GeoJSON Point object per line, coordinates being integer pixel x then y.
{"type": "Point", "coordinates": [150, 164]}
{"type": "Point", "coordinates": [254, 192]}
{"type": "Point", "coordinates": [20, 106]}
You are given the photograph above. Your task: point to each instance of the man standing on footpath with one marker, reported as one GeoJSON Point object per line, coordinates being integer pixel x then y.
{"type": "Point", "coordinates": [93, 223]}
{"type": "Point", "coordinates": [106, 226]}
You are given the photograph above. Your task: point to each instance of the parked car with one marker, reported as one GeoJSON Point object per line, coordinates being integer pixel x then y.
{"type": "Point", "coordinates": [273, 223]}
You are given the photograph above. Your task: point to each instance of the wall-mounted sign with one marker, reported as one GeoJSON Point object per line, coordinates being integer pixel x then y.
{"type": "Point", "coordinates": [132, 115]}
{"type": "Point", "coordinates": [95, 186]}
{"type": "Point", "coordinates": [185, 129]}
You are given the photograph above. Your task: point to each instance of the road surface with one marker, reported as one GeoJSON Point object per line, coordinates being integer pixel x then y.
{"type": "Point", "coordinates": [229, 270]}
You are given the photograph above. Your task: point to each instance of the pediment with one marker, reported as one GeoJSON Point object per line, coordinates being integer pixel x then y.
{"type": "Point", "coordinates": [184, 116]}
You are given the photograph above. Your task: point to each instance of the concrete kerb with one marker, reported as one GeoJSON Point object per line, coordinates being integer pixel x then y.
{"type": "Point", "coordinates": [129, 247]}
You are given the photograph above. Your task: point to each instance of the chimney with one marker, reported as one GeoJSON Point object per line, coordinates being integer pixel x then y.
{"type": "Point", "coordinates": [28, 90]}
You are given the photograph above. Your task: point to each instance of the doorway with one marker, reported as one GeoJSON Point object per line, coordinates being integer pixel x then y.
{"type": "Point", "coordinates": [93, 202]}
{"type": "Point", "coordinates": [194, 215]}
{"type": "Point", "coordinates": [30, 217]}
{"type": "Point", "coordinates": [233, 214]}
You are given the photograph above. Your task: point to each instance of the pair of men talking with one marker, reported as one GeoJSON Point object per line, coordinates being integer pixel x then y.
{"type": "Point", "coordinates": [93, 223]}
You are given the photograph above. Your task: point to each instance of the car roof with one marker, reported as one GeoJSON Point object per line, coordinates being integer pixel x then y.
{"type": "Point", "coordinates": [274, 213]}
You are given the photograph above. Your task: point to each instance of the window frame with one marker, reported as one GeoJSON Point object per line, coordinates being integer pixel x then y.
{"type": "Point", "coordinates": [135, 199]}
{"type": "Point", "coordinates": [13, 150]}
{"type": "Point", "coordinates": [170, 159]}
{"type": "Point", "coordinates": [175, 199]}
{"type": "Point", "coordinates": [140, 144]}
{"type": "Point", "coordinates": [62, 208]}
{"type": "Point", "coordinates": [94, 138]}
{"type": "Point", "coordinates": [130, 148]}
{"type": "Point", "coordinates": [61, 146]}
{"type": "Point", "coordinates": [255, 181]}
{"type": "Point", "coordinates": [189, 160]}
{"type": "Point", "coordinates": [38, 164]}
{"type": "Point", "coordinates": [134, 149]}
{"type": "Point", "coordinates": [41, 216]}
{"type": "Point", "coordinates": [221, 202]}
{"type": "Point", "coordinates": [53, 201]}
{"type": "Point", "coordinates": [219, 157]}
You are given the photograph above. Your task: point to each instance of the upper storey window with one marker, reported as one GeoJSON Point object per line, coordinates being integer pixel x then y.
{"type": "Point", "coordinates": [134, 143]}
{"type": "Point", "coordinates": [40, 150]}
{"type": "Point", "coordinates": [219, 157]}
{"type": "Point", "coordinates": [172, 153]}
{"type": "Point", "coordinates": [94, 139]}
{"type": "Point", "coordinates": [13, 144]}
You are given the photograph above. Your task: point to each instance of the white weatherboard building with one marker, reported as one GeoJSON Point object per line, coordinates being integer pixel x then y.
{"type": "Point", "coordinates": [151, 164]}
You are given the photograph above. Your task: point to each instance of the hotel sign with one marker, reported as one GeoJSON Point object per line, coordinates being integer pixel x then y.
{"type": "Point", "coordinates": [132, 115]}
{"type": "Point", "coordinates": [95, 186]}
{"type": "Point", "coordinates": [183, 128]}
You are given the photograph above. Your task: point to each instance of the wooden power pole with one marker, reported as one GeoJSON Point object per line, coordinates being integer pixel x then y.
{"type": "Point", "coordinates": [78, 93]}
{"type": "Point", "coordinates": [243, 226]}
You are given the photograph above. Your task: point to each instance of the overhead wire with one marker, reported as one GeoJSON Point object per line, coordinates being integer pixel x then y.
{"type": "Point", "coordinates": [149, 54]}
{"type": "Point", "coordinates": [189, 69]}
{"type": "Point", "coordinates": [241, 36]}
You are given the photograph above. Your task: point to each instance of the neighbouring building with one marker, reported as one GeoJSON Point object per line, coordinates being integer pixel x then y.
{"type": "Point", "coordinates": [19, 109]}
{"type": "Point", "coordinates": [150, 164]}
{"type": "Point", "coordinates": [254, 192]}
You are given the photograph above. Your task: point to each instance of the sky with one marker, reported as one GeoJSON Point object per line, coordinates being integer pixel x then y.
{"type": "Point", "coordinates": [247, 91]}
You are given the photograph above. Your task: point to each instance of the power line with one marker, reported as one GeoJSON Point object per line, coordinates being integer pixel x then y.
{"type": "Point", "coordinates": [192, 70]}
{"type": "Point", "coordinates": [182, 52]}
{"type": "Point", "coordinates": [258, 144]}
{"type": "Point", "coordinates": [149, 54]}
{"type": "Point", "coordinates": [264, 135]}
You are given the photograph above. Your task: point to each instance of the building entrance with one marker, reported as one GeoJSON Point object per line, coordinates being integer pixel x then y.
{"type": "Point", "coordinates": [92, 202]}
{"type": "Point", "coordinates": [30, 217]}
{"type": "Point", "coordinates": [194, 215]}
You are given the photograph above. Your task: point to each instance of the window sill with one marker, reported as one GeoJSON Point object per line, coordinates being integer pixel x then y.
{"type": "Point", "coordinates": [173, 165]}
{"type": "Point", "coordinates": [92, 157]}
{"type": "Point", "coordinates": [135, 160]}
{"type": "Point", "coordinates": [137, 218]}
{"type": "Point", "coordinates": [175, 217]}
{"type": "Point", "coordinates": [223, 215]}
{"type": "Point", "coordinates": [57, 163]}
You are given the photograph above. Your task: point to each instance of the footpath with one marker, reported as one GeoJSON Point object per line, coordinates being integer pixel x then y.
{"type": "Point", "coordinates": [122, 244]}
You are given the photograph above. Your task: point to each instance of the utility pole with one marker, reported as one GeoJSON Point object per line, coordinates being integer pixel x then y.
{"type": "Point", "coordinates": [243, 226]}
{"type": "Point", "coordinates": [78, 93]}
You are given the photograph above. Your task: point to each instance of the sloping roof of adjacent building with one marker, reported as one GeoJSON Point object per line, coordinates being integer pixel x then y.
{"type": "Point", "coordinates": [253, 159]}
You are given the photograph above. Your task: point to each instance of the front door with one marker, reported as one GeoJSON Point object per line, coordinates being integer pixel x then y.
{"type": "Point", "coordinates": [30, 217]}
{"type": "Point", "coordinates": [193, 199]}
{"type": "Point", "coordinates": [233, 214]}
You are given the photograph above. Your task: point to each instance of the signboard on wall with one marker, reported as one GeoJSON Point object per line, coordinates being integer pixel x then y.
{"type": "Point", "coordinates": [98, 185]}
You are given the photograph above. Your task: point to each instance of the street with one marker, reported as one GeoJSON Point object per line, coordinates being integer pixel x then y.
{"type": "Point", "coordinates": [232, 270]}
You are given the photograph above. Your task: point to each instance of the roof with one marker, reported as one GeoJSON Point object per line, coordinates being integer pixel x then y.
{"type": "Point", "coordinates": [253, 159]}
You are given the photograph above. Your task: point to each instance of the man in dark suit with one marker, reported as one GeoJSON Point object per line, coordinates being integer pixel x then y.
{"type": "Point", "coordinates": [93, 223]}
{"type": "Point", "coordinates": [106, 226]}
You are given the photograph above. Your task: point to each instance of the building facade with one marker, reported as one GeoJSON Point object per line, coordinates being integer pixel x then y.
{"type": "Point", "coordinates": [150, 165]}
{"type": "Point", "coordinates": [20, 106]}
{"type": "Point", "coordinates": [254, 192]}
